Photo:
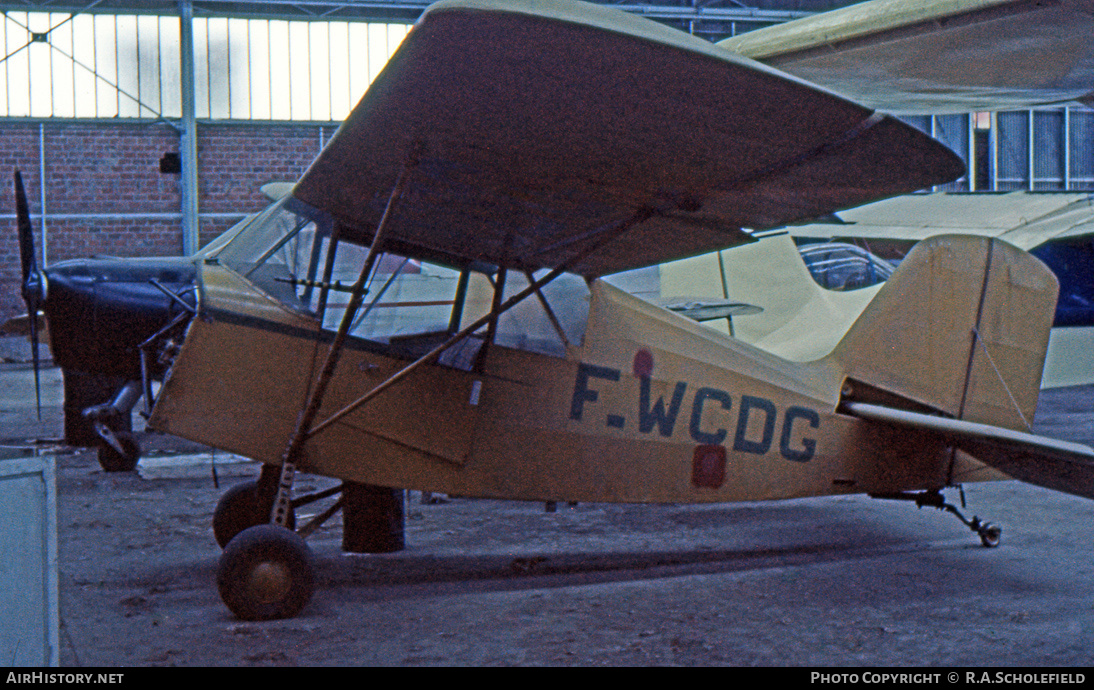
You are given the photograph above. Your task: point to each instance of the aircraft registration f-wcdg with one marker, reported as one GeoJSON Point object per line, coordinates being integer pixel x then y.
{"type": "Point", "coordinates": [426, 309]}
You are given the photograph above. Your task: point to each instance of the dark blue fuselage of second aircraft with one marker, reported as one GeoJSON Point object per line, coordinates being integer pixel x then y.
{"type": "Point", "coordinates": [101, 310]}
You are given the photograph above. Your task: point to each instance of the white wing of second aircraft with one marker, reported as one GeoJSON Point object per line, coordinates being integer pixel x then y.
{"type": "Point", "coordinates": [1024, 219]}
{"type": "Point", "coordinates": [938, 56]}
{"type": "Point", "coordinates": [803, 321]}
{"type": "Point", "coordinates": [799, 321]}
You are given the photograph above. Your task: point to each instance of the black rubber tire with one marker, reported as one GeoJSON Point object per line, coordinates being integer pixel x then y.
{"type": "Point", "coordinates": [240, 507]}
{"type": "Point", "coordinates": [237, 509]}
{"type": "Point", "coordinates": [266, 573]}
{"type": "Point", "coordinates": [113, 461]}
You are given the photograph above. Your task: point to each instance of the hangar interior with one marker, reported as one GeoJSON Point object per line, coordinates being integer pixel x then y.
{"type": "Point", "coordinates": [147, 128]}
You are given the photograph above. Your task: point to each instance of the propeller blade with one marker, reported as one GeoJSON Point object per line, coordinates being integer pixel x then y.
{"type": "Point", "coordinates": [32, 292]}
{"type": "Point", "coordinates": [34, 357]}
{"type": "Point", "coordinates": [26, 230]}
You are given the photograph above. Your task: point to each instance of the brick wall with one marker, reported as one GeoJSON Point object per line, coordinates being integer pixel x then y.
{"type": "Point", "coordinates": [96, 168]}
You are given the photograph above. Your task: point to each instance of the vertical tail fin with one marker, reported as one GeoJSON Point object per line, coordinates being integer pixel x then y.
{"type": "Point", "coordinates": [962, 327]}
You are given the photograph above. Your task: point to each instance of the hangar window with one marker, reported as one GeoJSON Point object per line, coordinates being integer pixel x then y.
{"type": "Point", "coordinates": [105, 64]}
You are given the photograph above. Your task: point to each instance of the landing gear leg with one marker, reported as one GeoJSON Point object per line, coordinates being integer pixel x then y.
{"type": "Point", "coordinates": [119, 450]}
{"type": "Point", "coordinates": [246, 505]}
{"type": "Point", "coordinates": [990, 534]}
{"type": "Point", "coordinates": [266, 570]}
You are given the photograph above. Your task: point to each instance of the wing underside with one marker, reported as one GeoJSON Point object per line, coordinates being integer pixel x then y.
{"type": "Point", "coordinates": [938, 56]}
{"type": "Point", "coordinates": [529, 130]}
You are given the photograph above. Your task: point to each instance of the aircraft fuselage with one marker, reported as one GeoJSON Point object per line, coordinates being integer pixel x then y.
{"type": "Point", "coordinates": [651, 407]}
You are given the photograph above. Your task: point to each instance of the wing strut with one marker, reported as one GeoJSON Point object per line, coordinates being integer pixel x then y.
{"type": "Point", "coordinates": [638, 217]}
{"type": "Point", "coordinates": [550, 313]}
{"type": "Point", "coordinates": [283, 503]}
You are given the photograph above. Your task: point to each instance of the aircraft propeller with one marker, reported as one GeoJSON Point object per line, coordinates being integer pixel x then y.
{"type": "Point", "coordinates": [33, 281]}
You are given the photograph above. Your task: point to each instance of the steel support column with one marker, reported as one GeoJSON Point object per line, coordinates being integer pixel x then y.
{"type": "Point", "coordinates": [188, 144]}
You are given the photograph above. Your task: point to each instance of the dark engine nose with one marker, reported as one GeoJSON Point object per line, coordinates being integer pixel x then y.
{"type": "Point", "coordinates": [101, 310]}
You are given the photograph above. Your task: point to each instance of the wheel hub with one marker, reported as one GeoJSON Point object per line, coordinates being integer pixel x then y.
{"type": "Point", "coordinates": [269, 582]}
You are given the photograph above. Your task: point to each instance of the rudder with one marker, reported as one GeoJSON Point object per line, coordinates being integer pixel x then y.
{"type": "Point", "coordinates": [961, 327]}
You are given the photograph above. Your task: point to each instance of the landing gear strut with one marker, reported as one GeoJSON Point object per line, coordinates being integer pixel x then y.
{"type": "Point", "coordinates": [119, 450]}
{"type": "Point", "coordinates": [246, 505]}
{"type": "Point", "coordinates": [266, 568]}
{"type": "Point", "coordinates": [989, 533]}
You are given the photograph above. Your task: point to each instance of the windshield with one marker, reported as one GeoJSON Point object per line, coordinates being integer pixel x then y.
{"type": "Point", "coordinates": [410, 305]}
{"type": "Point", "coordinates": [275, 250]}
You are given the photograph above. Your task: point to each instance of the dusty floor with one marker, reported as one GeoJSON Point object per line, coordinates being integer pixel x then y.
{"type": "Point", "coordinates": [818, 582]}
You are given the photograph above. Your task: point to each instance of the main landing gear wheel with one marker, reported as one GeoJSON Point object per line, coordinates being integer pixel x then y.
{"type": "Point", "coordinates": [266, 573]}
{"type": "Point", "coordinates": [242, 506]}
{"type": "Point", "coordinates": [112, 459]}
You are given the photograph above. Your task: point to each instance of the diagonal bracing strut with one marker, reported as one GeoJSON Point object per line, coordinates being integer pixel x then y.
{"type": "Point", "coordinates": [279, 514]}
{"type": "Point", "coordinates": [305, 430]}
{"type": "Point", "coordinates": [638, 217]}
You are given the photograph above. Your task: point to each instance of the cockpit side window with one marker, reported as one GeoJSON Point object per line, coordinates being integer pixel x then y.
{"type": "Point", "coordinates": [549, 321]}
{"type": "Point", "coordinates": [404, 297]}
{"type": "Point", "coordinates": [843, 267]}
{"type": "Point", "coordinates": [410, 306]}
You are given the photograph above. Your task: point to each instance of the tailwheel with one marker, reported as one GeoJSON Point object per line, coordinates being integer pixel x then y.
{"type": "Point", "coordinates": [990, 534]}
{"type": "Point", "coordinates": [266, 573]}
{"type": "Point", "coordinates": [120, 456]}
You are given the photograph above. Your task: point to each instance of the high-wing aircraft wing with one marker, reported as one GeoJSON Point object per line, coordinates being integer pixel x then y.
{"type": "Point", "coordinates": [1024, 219]}
{"type": "Point", "coordinates": [938, 56]}
{"type": "Point", "coordinates": [530, 131]}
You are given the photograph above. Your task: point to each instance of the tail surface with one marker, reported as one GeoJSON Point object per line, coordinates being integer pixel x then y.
{"type": "Point", "coordinates": [960, 328]}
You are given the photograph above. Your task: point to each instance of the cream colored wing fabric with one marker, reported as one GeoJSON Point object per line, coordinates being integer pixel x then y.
{"type": "Point", "coordinates": [532, 129]}
{"type": "Point", "coordinates": [938, 56]}
{"type": "Point", "coordinates": [1024, 219]}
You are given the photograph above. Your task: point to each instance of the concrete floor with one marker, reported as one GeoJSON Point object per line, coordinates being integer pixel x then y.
{"type": "Point", "coordinates": [843, 581]}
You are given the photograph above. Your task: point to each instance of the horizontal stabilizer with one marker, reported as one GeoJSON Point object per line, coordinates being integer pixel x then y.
{"type": "Point", "coordinates": [1051, 463]}
{"type": "Point", "coordinates": [709, 308]}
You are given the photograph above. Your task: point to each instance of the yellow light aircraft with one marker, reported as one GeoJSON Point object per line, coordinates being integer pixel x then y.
{"type": "Point", "coordinates": [427, 308]}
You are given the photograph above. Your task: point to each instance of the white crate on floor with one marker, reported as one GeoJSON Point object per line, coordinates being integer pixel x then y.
{"type": "Point", "coordinates": [29, 631]}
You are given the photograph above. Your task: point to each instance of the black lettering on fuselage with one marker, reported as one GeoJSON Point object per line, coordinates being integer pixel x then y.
{"type": "Point", "coordinates": [701, 396]}
{"type": "Point", "coordinates": [749, 404]}
{"type": "Point", "coordinates": [808, 445]}
{"type": "Point", "coordinates": [664, 419]}
{"type": "Point", "coordinates": [756, 418]}
{"type": "Point", "coordinates": [582, 392]}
